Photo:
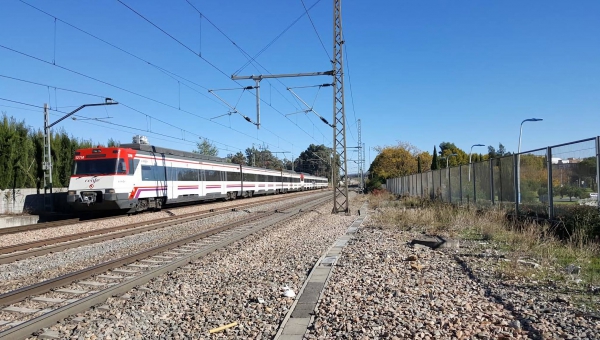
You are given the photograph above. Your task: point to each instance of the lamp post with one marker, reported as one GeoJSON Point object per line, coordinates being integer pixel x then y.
{"type": "Point", "coordinates": [47, 162]}
{"type": "Point", "coordinates": [519, 157]}
{"type": "Point", "coordinates": [448, 159]}
{"type": "Point", "coordinates": [470, 153]}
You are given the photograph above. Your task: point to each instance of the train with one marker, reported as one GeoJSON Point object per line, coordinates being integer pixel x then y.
{"type": "Point", "coordinates": [138, 177]}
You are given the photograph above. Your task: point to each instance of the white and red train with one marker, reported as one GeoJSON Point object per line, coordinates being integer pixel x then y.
{"type": "Point", "coordinates": [137, 177]}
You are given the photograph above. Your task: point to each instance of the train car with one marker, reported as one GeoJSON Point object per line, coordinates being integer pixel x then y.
{"type": "Point", "coordinates": [137, 177]}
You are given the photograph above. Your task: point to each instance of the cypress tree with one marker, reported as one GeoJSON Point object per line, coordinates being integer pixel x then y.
{"type": "Point", "coordinates": [434, 161]}
{"type": "Point", "coordinates": [419, 164]}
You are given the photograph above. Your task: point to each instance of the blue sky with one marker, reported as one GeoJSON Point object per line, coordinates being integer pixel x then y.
{"type": "Point", "coordinates": [424, 72]}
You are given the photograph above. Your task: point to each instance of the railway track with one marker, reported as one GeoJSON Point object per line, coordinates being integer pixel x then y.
{"type": "Point", "coordinates": [118, 276]}
{"type": "Point", "coordinates": [71, 221]}
{"type": "Point", "coordinates": [22, 251]}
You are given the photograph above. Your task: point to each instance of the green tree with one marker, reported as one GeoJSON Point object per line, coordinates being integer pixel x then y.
{"type": "Point", "coordinates": [315, 160]}
{"type": "Point", "coordinates": [113, 143]}
{"type": "Point", "coordinates": [434, 160]}
{"type": "Point", "coordinates": [419, 164]}
{"type": "Point", "coordinates": [206, 148]}
{"type": "Point", "coordinates": [238, 158]}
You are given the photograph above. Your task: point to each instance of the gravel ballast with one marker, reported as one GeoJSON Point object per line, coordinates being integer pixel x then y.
{"type": "Point", "coordinates": [32, 270]}
{"type": "Point", "coordinates": [240, 283]}
{"type": "Point", "coordinates": [383, 287]}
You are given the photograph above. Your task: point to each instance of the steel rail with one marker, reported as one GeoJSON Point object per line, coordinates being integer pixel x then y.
{"type": "Point", "coordinates": [27, 328]}
{"type": "Point", "coordinates": [70, 221]}
{"type": "Point", "coordinates": [16, 252]}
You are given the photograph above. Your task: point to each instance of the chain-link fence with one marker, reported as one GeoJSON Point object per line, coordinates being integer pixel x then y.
{"type": "Point", "coordinates": [548, 180]}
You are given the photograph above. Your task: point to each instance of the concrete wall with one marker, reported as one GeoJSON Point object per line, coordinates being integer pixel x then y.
{"type": "Point", "coordinates": [28, 201]}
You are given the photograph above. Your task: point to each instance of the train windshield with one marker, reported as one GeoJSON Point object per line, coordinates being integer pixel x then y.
{"type": "Point", "coordinates": [97, 167]}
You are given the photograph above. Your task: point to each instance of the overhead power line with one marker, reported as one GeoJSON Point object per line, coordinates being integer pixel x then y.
{"type": "Point", "coordinates": [137, 94]}
{"type": "Point", "coordinates": [214, 66]}
{"type": "Point", "coordinates": [100, 96]}
{"type": "Point", "coordinates": [315, 28]}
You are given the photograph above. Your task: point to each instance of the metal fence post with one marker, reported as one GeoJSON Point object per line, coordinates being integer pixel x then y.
{"type": "Point", "coordinates": [421, 185]}
{"type": "Point", "coordinates": [449, 187]}
{"type": "Point", "coordinates": [598, 169]}
{"type": "Point", "coordinates": [433, 182]}
{"type": "Point", "coordinates": [492, 196]}
{"type": "Point", "coordinates": [460, 183]}
{"type": "Point", "coordinates": [550, 195]}
{"type": "Point", "coordinates": [441, 196]}
{"type": "Point", "coordinates": [516, 170]}
{"type": "Point", "coordinates": [474, 186]}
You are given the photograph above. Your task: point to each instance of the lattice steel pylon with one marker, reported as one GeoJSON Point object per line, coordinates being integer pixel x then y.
{"type": "Point", "coordinates": [360, 159]}
{"type": "Point", "coordinates": [340, 190]}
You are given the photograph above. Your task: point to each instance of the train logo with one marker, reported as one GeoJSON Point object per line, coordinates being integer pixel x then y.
{"type": "Point", "coordinates": [92, 186]}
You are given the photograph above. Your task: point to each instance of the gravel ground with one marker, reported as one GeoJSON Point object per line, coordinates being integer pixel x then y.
{"type": "Point", "coordinates": [32, 270]}
{"type": "Point", "coordinates": [240, 283]}
{"type": "Point", "coordinates": [35, 235]}
{"type": "Point", "coordinates": [385, 288]}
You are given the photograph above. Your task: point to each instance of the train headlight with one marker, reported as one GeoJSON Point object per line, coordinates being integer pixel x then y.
{"type": "Point", "coordinates": [109, 191]}
{"type": "Point", "coordinates": [72, 192]}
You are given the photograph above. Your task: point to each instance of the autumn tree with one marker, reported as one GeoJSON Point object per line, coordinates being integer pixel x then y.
{"type": "Point", "coordinates": [395, 161]}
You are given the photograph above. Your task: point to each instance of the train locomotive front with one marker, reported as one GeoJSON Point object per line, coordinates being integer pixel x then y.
{"type": "Point", "coordinates": [102, 179]}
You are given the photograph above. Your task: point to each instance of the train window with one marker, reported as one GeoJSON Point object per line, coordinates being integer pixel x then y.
{"type": "Point", "coordinates": [121, 167]}
{"type": "Point", "coordinates": [133, 164]}
{"type": "Point", "coordinates": [233, 176]}
{"type": "Point", "coordinates": [250, 177]}
{"type": "Point", "coordinates": [212, 175]}
{"type": "Point", "coordinates": [147, 173]}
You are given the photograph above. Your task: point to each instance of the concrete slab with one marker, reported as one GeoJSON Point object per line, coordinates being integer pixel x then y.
{"type": "Point", "coordinates": [311, 292]}
{"type": "Point", "coordinates": [163, 257]}
{"type": "Point", "coordinates": [304, 310]}
{"type": "Point", "coordinates": [2, 322]}
{"type": "Point", "coordinates": [92, 283]}
{"type": "Point", "coordinates": [125, 271]}
{"type": "Point", "coordinates": [137, 265]}
{"type": "Point", "coordinates": [20, 310]}
{"type": "Point", "coordinates": [173, 253]}
{"type": "Point", "coordinates": [341, 243]}
{"type": "Point", "coordinates": [16, 323]}
{"type": "Point", "coordinates": [104, 308]}
{"type": "Point", "coordinates": [153, 261]}
{"type": "Point", "coordinates": [320, 274]}
{"type": "Point", "coordinates": [291, 337]}
{"type": "Point", "coordinates": [71, 291]}
{"type": "Point", "coordinates": [110, 277]}
{"type": "Point", "coordinates": [47, 300]}
{"type": "Point", "coordinates": [329, 260]}
{"type": "Point", "coordinates": [49, 335]}
{"type": "Point", "coordinates": [334, 251]}
{"type": "Point", "coordinates": [296, 326]}
{"type": "Point", "coordinates": [78, 319]}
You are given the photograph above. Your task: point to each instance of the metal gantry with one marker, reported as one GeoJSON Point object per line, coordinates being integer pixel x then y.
{"type": "Point", "coordinates": [340, 189]}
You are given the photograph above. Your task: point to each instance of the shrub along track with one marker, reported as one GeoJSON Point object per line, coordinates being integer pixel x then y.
{"type": "Point", "coordinates": [187, 250]}
{"type": "Point", "coordinates": [21, 251]}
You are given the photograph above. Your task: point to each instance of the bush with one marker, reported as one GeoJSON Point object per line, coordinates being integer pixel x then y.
{"type": "Point", "coordinates": [580, 220]}
{"type": "Point", "coordinates": [373, 184]}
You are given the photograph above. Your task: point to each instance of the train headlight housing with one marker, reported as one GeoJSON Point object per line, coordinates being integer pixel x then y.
{"type": "Point", "coordinates": [109, 191]}
{"type": "Point", "coordinates": [72, 192]}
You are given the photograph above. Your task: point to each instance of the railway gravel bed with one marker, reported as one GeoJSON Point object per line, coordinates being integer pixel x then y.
{"type": "Point", "coordinates": [79, 227]}
{"type": "Point", "coordinates": [385, 288]}
{"type": "Point", "coordinates": [239, 283]}
{"type": "Point", "coordinates": [32, 270]}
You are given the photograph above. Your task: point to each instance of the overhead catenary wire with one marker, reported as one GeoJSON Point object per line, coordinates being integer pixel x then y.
{"type": "Point", "coordinates": [100, 96]}
{"type": "Point", "coordinates": [315, 28]}
{"type": "Point", "coordinates": [215, 67]}
{"type": "Point", "coordinates": [132, 92]}
{"type": "Point", "coordinates": [170, 74]}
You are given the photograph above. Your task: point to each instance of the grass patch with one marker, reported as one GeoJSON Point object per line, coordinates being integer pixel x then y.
{"type": "Point", "coordinates": [517, 241]}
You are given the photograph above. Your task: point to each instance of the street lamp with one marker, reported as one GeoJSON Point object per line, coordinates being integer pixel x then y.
{"type": "Point", "coordinates": [470, 153]}
{"type": "Point", "coordinates": [47, 163]}
{"type": "Point", "coordinates": [448, 158]}
{"type": "Point", "coordinates": [519, 157]}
